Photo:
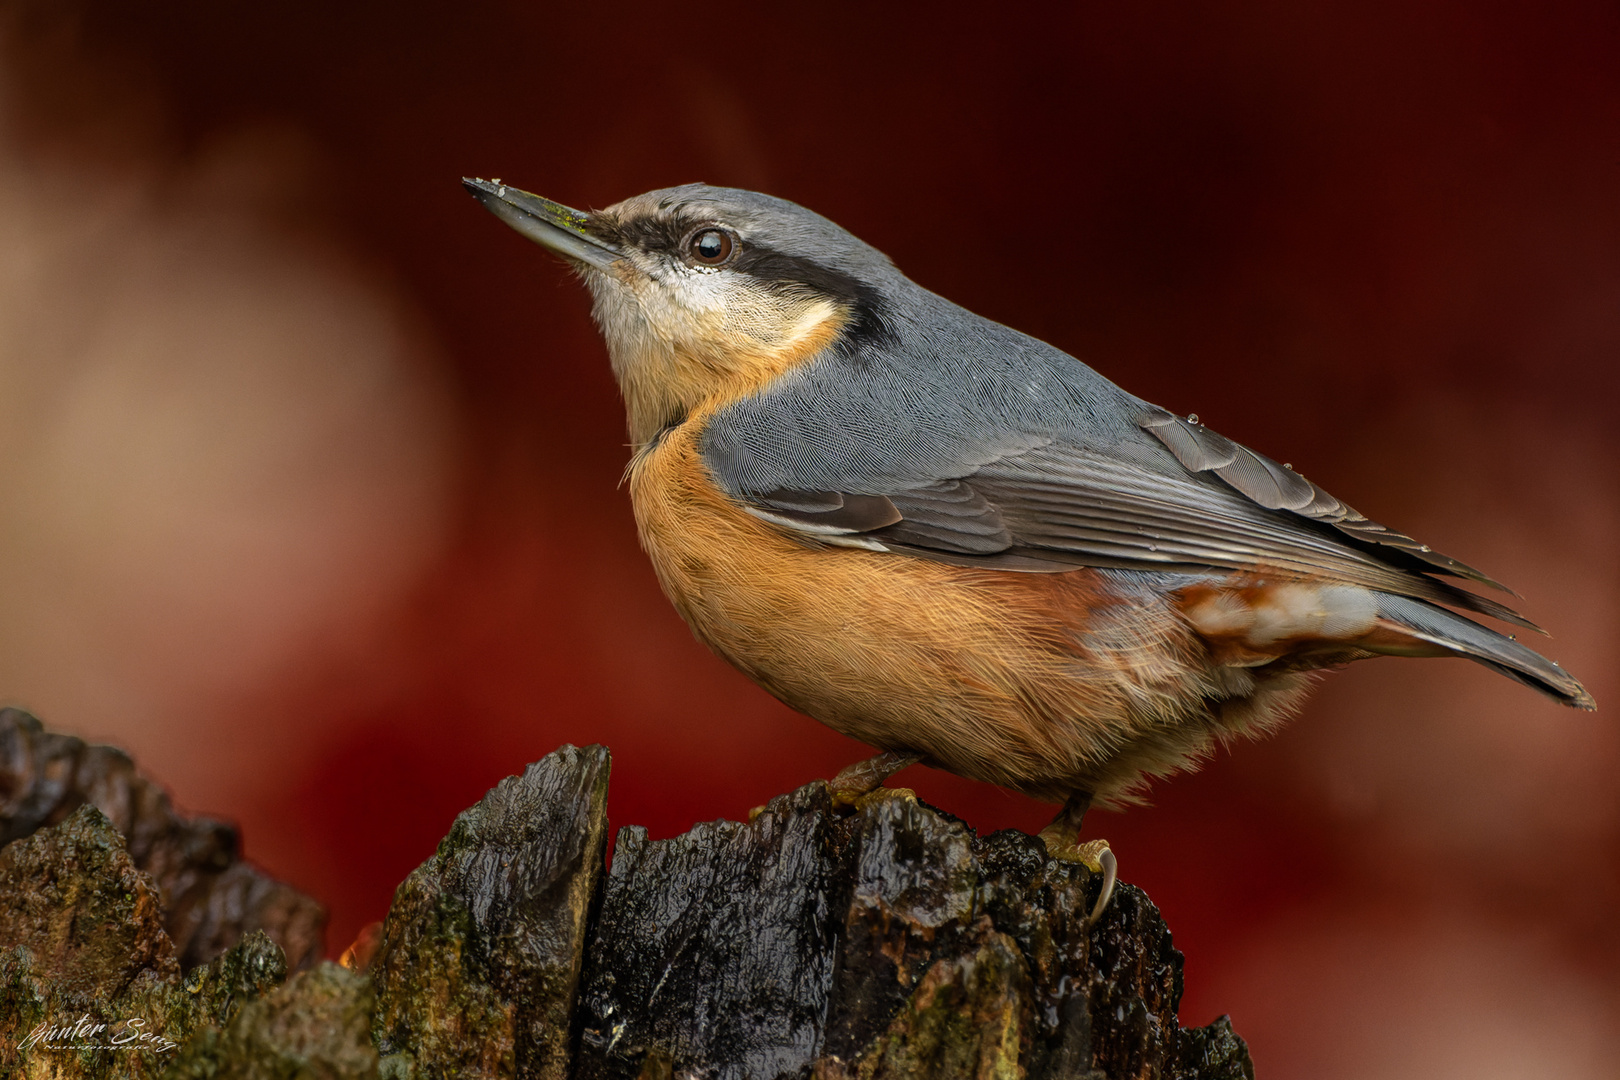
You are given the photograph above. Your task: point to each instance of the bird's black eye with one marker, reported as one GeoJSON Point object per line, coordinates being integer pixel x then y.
{"type": "Point", "coordinates": [711, 247]}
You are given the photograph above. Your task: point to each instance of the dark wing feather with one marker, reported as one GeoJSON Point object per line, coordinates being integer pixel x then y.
{"type": "Point", "coordinates": [952, 516]}
{"type": "Point", "coordinates": [828, 512]}
{"type": "Point", "coordinates": [1064, 499]}
{"type": "Point", "coordinates": [1277, 487]}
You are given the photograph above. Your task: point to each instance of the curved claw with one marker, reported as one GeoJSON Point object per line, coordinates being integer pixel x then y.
{"type": "Point", "coordinates": [1095, 855]}
{"type": "Point", "coordinates": [1110, 873]}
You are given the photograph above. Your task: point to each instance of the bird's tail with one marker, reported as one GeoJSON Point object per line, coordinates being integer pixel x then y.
{"type": "Point", "coordinates": [1464, 637]}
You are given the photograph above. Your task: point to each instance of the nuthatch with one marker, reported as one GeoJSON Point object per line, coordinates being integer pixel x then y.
{"type": "Point", "coordinates": [957, 543]}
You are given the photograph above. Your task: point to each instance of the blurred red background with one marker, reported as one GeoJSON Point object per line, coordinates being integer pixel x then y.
{"type": "Point", "coordinates": [308, 466]}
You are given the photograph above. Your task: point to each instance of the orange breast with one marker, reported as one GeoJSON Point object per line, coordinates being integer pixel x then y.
{"type": "Point", "coordinates": [1047, 683]}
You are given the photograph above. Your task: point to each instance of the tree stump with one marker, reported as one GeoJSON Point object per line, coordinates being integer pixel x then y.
{"type": "Point", "coordinates": [815, 941]}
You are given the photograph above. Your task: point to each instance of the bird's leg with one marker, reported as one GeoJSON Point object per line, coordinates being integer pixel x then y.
{"type": "Point", "coordinates": [865, 777]}
{"type": "Point", "coordinates": [1062, 840]}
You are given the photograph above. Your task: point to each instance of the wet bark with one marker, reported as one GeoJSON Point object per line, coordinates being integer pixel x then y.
{"type": "Point", "coordinates": [815, 941]}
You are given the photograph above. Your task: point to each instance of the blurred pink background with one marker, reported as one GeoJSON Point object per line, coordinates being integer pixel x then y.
{"type": "Point", "coordinates": [308, 466]}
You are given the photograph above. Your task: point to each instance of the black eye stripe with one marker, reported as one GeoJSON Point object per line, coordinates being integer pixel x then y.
{"type": "Point", "coordinates": [869, 321]}
{"type": "Point", "coordinates": [674, 234]}
{"type": "Point", "coordinates": [773, 266]}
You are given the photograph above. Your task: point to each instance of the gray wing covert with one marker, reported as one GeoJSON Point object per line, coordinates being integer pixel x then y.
{"type": "Point", "coordinates": [1278, 487]}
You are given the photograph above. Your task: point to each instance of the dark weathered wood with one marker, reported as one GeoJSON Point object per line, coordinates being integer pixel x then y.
{"type": "Point", "coordinates": [480, 955]}
{"type": "Point", "coordinates": [210, 897]}
{"type": "Point", "coordinates": [816, 941]}
{"type": "Point", "coordinates": [884, 942]}
{"type": "Point", "coordinates": [714, 950]}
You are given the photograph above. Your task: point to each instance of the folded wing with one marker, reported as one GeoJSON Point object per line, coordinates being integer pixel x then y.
{"type": "Point", "coordinates": [1058, 506]}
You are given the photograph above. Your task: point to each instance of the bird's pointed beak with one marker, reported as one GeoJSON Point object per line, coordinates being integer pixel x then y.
{"type": "Point", "coordinates": [560, 228]}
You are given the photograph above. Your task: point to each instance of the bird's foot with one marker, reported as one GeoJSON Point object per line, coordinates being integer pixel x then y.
{"type": "Point", "coordinates": [884, 794]}
{"type": "Point", "coordinates": [853, 785]}
{"type": "Point", "coordinates": [1094, 855]}
{"type": "Point", "coordinates": [847, 799]}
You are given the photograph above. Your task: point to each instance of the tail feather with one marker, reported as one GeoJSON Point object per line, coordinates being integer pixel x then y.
{"type": "Point", "coordinates": [1464, 637]}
